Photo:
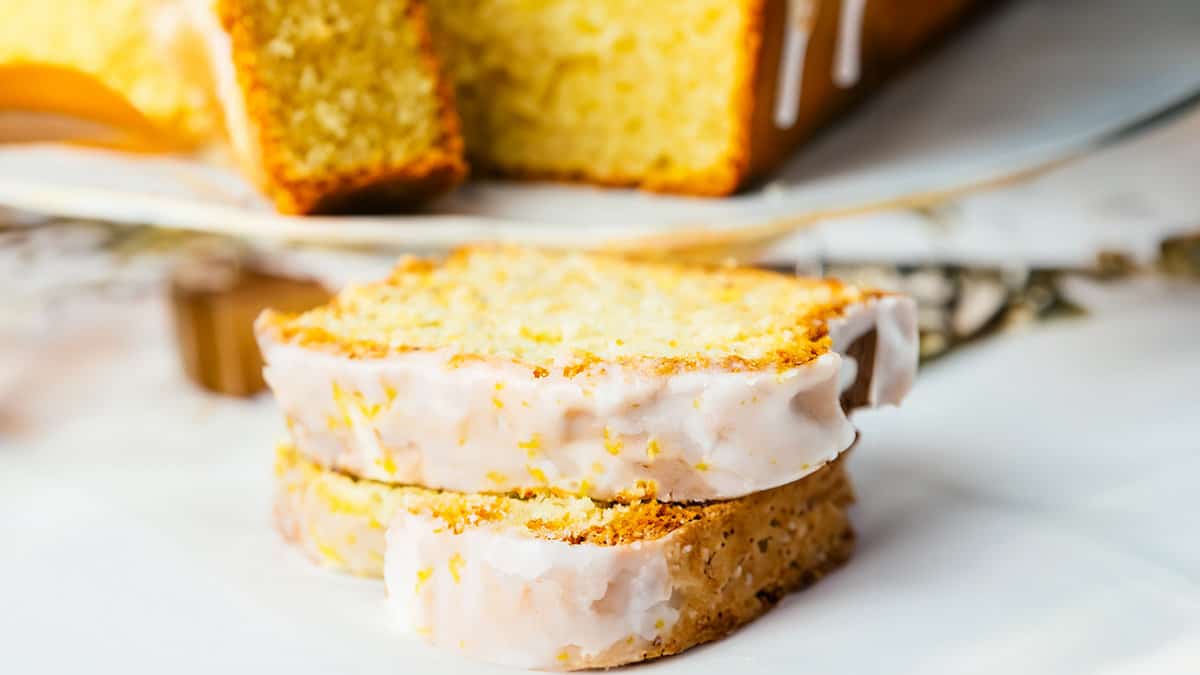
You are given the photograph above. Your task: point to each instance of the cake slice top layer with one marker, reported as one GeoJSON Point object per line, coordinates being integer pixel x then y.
{"type": "Point", "coordinates": [569, 311]}
{"type": "Point", "coordinates": [507, 369]}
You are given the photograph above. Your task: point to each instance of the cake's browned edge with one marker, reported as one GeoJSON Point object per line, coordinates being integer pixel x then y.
{"type": "Point", "coordinates": [742, 556]}
{"type": "Point", "coordinates": [370, 189]}
{"type": "Point", "coordinates": [895, 33]}
{"type": "Point", "coordinates": [278, 327]}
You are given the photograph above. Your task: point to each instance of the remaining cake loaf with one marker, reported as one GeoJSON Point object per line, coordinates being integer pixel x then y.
{"type": "Point", "coordinates": [521, 370]}
{"type": "Point", "coordinates": [692, 97]}
{"type": "Point", "coordinates": [146, 67]}
{"type": "Point", "coordinates": [333, 105]}
{"type": "Point", "coordinates": [562, 583]}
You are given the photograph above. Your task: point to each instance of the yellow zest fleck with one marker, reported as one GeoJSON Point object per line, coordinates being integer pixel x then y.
{"type": "Point", "coordinates": [330, 553]}
{"type": "Point", "coordinates": [804, 467]}
{"type": "Point", "coordinates": [659, 624]}
{"type": "Point", "coordinates": [563, 656]}
{"type": "Point", "coordinates": [374, 523]}
{"type": "Point", "coordinates": [611, 444]}
{"type": "Point", "coordinates": [531, 446]}
{"type": "Point", "coordinates": [585, 486]}
{"type": "Point", "coordinates": [629, 640]}
{"type": "Point", "coordinates": [538, 474]}
{"type": "Point", "coordinates": [728, 295]}
{"type": "Point", "coordinates": [462, 644]}
{"type": "Point", "coordinates": [376, 556]}
{"type": "Point", "coordinates": [499, 386]}
{"type": "Point", "coordinates": [339, 400]}
{"type": "Point", "coordinates": [696, 403]}
{"type": "Point", "coordinates": [389, 392]}
{"type": "Point", "coordinates": [497, 477]}
{"type": "Point", "coordinates": [424, 631]}
{"type": "Point", "coordinates": [597, 467]}
{"type": "Point", "coordinates": [702, 466]}
{"type": "Point", "coordinates": [497, 402]}
{"type": "Point", "coordinates": [545, 337]}
{"type": "Point", "coordinates": [653, 448]}
{"type": "Point", "coordinates": [351, 539]}
{"type": "Point", "coordinates": [456, 565]}
{"type": "Point", "coordinates": [331, 422]}
{"type": "Point", "coordinates": [525, 403]}
{"type": "Point", "coordinates": [423, 576]}
{"type": "Point", "coordinates": [387, 464]}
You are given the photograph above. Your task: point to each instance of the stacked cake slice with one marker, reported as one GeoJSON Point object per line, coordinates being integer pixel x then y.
{"type": "Point", "coordinates": [564, 461]}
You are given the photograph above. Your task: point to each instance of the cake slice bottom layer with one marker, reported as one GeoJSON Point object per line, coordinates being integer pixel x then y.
{"type": "Point", "coordinates": [560, 582]}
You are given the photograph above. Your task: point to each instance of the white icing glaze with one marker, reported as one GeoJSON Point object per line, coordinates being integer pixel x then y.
{"type": "Point", "coordinates": [848, 59]}
{"type": "Point", "coordinates": [790, 83]}
{"type": "Point", "coordinates": [897, 346]}
{"type": "Point", "coordinates": [510, 598]}
{"type": "Point", "coordinates": [483, 426]}
{"type": "Point", "coordinates": [491, 426]}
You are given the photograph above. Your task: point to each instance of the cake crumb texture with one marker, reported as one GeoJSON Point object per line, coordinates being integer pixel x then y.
{"type": "Point", "coordinates": [572, 312]}
{"type": "Point", "coordinates": [622, 92]}
{"type": "Point", "coordinates": [346, 100]}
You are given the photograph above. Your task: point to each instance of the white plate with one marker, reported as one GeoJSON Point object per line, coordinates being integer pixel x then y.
{"type": "Point", "coordinates": [1031, 509]}
{"type": "Point", "coordinates": [1035, 83]}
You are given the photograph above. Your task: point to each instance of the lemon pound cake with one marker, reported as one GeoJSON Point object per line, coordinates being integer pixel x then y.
{"type": "Point", "coordinates": [130, 63]}
{"type": "Point", "coordinates": [562, 583]}
{"type": "Point", "coordinates": [333, 105]}
{"type": "Point", "coordinates": [513, 370]}
{"type": "Point", "coordinates": [692, 97]}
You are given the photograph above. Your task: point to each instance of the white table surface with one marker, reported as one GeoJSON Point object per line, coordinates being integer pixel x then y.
{"type": "Point", "coordinates": [1032, 509]}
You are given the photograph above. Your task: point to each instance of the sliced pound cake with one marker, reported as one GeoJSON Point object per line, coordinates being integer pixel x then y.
{"type": "Point", "coordinates": [333, 105]}
{"type": "Point", "coordinates": [562, 583]}
{"type": "Point", "coordinates": [694, 97]}
{"type": "Point", "coordinates": [513, 370]}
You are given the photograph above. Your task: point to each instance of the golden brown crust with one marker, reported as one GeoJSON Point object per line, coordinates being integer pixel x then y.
{"type": "Point", "coordinates": [734, 567]}
{"type": "Point", "coordinates": [809, 329]}
{"type": "Point", "coordinates": [370, 188]}
{"type": "Point", "coordinates": [311, 498]}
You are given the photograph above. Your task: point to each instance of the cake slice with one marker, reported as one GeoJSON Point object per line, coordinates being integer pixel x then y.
{"type": "Point", "coordinates": [333, 105]}
{"type": "Point", "coordinates": [133, 64]}
{"type": "Point", "coordinates": [515, 370]}
{"type": "Point", "coordinates": [562, 583]}
{"type": "Point", "coordinates": [692, 97]}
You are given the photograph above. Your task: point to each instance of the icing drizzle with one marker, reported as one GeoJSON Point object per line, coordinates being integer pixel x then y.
{"type": "Point", "coordinates": [800, 18]}
{"type": "Point", "coordinates": [848, 63]}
